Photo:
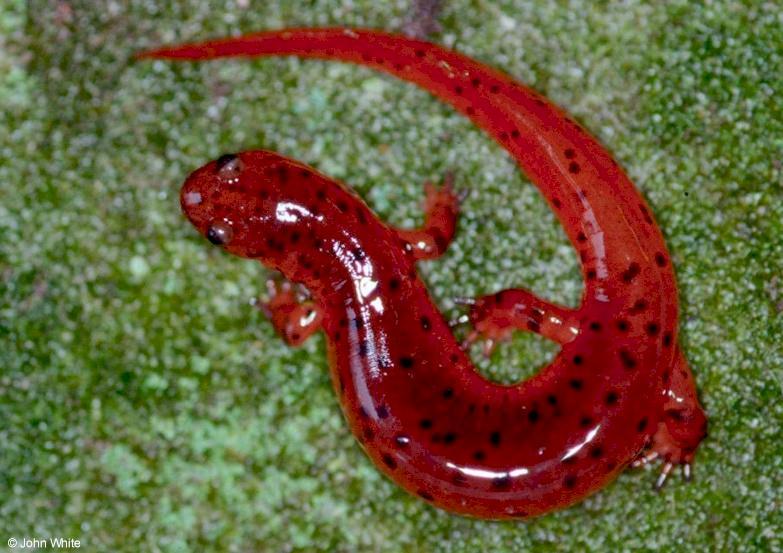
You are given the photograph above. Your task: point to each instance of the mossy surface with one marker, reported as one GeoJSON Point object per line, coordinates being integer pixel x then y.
{"type": "Point", "coordinates": [145, 405]}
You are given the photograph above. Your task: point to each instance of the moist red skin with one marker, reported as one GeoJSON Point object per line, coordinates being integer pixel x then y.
{"type": "Point", "coordinates": [412, 397]}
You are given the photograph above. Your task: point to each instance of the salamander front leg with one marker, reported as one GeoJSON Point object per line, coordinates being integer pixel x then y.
{"type": "Point", "coordinates": [293, 318]}
{"type": "Point", "coordinates": [682, 426]}
{"type": "Point", "coordinates": [495, 317]}
{"type": "Point", "coordinates": [441, 207]}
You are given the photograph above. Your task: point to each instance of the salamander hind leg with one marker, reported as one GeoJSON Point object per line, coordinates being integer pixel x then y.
{"type": "Point", "coordinates": [293, 318]}
{"type": "Point", "coordinates": [496, 316]}
{"type": "Point", "coordinates": [682, 425]}
{"type": "Point", "coordinates": [441, 207]}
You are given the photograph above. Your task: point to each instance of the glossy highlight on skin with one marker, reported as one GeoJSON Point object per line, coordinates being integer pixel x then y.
{"type": "Point", "coordinates": [618, 392]}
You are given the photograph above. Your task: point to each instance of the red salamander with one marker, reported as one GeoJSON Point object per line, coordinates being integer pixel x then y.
{"type": "Point", "coordinates": [618, 392]}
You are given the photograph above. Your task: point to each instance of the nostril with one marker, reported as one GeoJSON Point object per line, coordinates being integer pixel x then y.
{"type": "Point", "coordinates": [192, 198]}
{"type": "Point", "coordinates": [220, 234]}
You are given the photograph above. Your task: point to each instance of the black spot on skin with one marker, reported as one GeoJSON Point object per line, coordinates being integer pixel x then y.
{"type": "Point", "coordinates": [475, 82]}
{"type": "Point", "coordinates": [533, 326]}
{"type": "Point", "coordinates": [645, 214]}
{"type": "Point", "coordinates": [660, 259]}
{"type": "Point", "coordinates": [479, 455]}
{"type": "Point", "coordinates": [674, 415]}
{"type": "Point", "coordinates": [551, 399]}
{"type": "Point", "coordinates": [628, 361]}
{"type": "Point", "coordinates": [305, 174]}
{"type": "Point", "coordinates": [610, 466]}
{"type": "Point", "coordinates": [406, 362]}
{"type": "Point", "coordinates": [419, 53]}
{"type": "Point", "coordinates": [557, 203]}
{"type": "Point", "coordinates": [622, 325]}
{"type": "Point", "coordinates": [459, 479]}
{"type": "Point", "coordinates": [342, 206]}
{"type": "Point", "coordinates": [494, 89]}
{"type": "Point", "coordinates": [611, 398]}
{"type": "Point", "coordinates": [652, 329]}
{"type": "Point", "coordinates": [382, 411]}
{"type": "Point", "coordinates": [639, 306]}
{"type": "Point", "coordinates": [449, 438]}
{"type": "Point", "coordinates": [295, 236]}
{"type": "Point", "coordinates": [426, 424]}
{"type": "Point", "coordinates": [585, 421]}
{"type": "Point", "coordinates": [447, 393]}
{"type": "Point", "coordinates": [458, 89]}
{"type": "Point", "coordinates": [470, 110]}
{"type": "Point", "coordinates": [575, 383]}
{"type": "Point", "coordinates": [596, 452]}
{"type": "Point", "coordinates": [402, 440]}
{"type": "Point", "coordinates": [533, 416]}
{"type": "Point", "coordinates": [632, 272]}
{"type": "Point", "coordinates": [667, 339]}
{"type": "Point", "coordinates": [578, 359]}
{"type": "Point", "coordinates": [573, 167]}
{"type": "Point", "coordinates": [642, 424]}
{"type": "Point", "coordinates": [453, 357]}
{"type": "Point", "coordinates": [425, 323]}
{"type": "Point", "coordinates": [581, 237]}
{"type": "Point", "coordinates": [591, 274]}
{"type": "Point", "coordinates": [501, 483]}
{"type": "Point", "coordinates": [569, 482]}
{"type": "Point", "coordinates": [394, 284]}
{"type": "Point", "coordinates": [569, 153]}
{"type": "Point", "coordinates": [494, 438]}
{"type": "Point", "coordinates": [425, 495]}
{"type": "Point", "coordinates": [515, 133]}
{"type": "Point", "coordinates": [595, 326]}
{"type": "Point", "coordinates": [389, 461]}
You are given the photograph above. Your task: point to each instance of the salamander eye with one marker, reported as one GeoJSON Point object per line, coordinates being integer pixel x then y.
{"type": "Point", "coordinates": [229, 166]}
{"type": "Point", "coordinates": [220, 233]}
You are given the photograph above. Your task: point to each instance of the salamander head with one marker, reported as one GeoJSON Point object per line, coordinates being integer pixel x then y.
{"type": "Point", "coordinates": [249, 203]}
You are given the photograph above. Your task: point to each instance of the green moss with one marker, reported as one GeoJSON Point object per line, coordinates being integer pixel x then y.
{"type": "Point", "coordinates": [145, 403]}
